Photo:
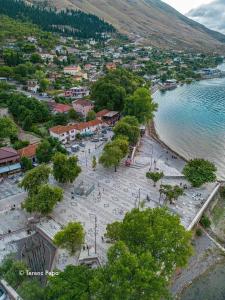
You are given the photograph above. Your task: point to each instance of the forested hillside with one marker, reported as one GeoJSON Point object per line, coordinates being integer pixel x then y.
{"type": "Point", "coordinates": [69, 22]}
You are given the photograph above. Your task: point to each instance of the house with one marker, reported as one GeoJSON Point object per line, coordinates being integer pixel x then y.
{"type": "Point", "coordinates": [29, 152]}
{"type": "Point", "coordinates": [59, 107]}
{"type": "Point", "coordinates": [108, 117]}
{"type": "Point", "coordinates": [9, 161]}
{"type": "Point", "coordinates": [110, 66]}
{"type": "Point", "coordinates": [47, 57]}
{"type": "Point", "coordinates": [68, 133]}
{"type": "Point", "coordinates": [32, 86]}
{"type": "Point", "coordinates": [77, 92]}
{"type": "Point", "coordinates": [72, 70]}
{"type": "Point", "coordinates": [83, 106]}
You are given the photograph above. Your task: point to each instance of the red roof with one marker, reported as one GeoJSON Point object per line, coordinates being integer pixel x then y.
{"type": "Point", "coordinates": [102, 113]}
{"type": "Point", "coordinates": [8, 154]}
{"type": "Point", "coordinates": [59, 107]}
{"type": "Point", "coordinates": [79, 126]}
{"type": "Point", "coordinates": [29, 151]}
{"type": "Point", "coordinates": [83, 102]}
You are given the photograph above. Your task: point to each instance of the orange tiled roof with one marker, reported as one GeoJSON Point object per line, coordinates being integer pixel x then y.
{"type": "Point", "coordinates": [101, 113]}
{"type": "Point", "coordinates": [83, 102]}
{"type": "Point", "coordinates": [79, 126]}
{"type": "Point", "coordinates": [29, 151]}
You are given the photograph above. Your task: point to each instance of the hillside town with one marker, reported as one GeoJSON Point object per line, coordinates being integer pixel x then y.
{"type": "Point", "coordinates": [79, 152]}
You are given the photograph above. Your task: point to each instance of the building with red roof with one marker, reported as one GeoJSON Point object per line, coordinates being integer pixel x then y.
{"type": "Point", "coordinates": [68, 133]}
{"type": "Point", "coordinates": [83, 106]}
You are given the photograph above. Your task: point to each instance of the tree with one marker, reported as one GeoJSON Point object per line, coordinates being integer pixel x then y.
{"type": "Point", "coordinates": [73, 115]}
{"type": "Point", "coordinates": [35, 58]}
{"type": "Point", "coordinates": [26, 163]}
{"type": "Point", "coordinates": [140, 105]}
{"type": "Point", "coordinates": [34, 178]}
{"type": "Point", "coordinates": [60, 119]}
{"type": "Point", "coordinates": [94, 163]}
{"type": "Point", "coordinates": [72, 283]}
{"type": "Point", "coordinates": [13, 271]}
{"type": "Point", "coordinates": [44, 200]}
{"type": "Point", "coordinates": [111, 156]}
{"type": "Point", "coordinates": [157, 232]}
{"type": "Point", "coordinates": [129, 276]}
{"type": "Point", "coordinates": [31, 290]}
{"type": "Point", "coordinates": [171, 192]}
{"type": "Point", "coordinates": [199, 172]}
{"type": "Point", "coordinates": [125, 128]}
{"type": "Point", "coordinates": [44, 152]}
{"type": "Point", "coordinates": [121, 142]}
{"type": "Point", "coordinates": [65, 169]}
{"type": "Point", "coordinates": [155, 176]}
{"type": "Point", "coordinates": [8, 128]}
{"type": "Point", "coordinates": [70, 237]}
{"type": "Point", "coordinates": [44, 84]}
{"type": "Point", "coordinates": [91, 115]}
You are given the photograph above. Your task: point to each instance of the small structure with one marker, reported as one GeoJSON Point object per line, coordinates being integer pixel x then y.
{"type": "Point", "coordinates": [72, 70]}
{"type": "Point", "coordinates": [32, 86]}
{"type": "Point", "coordinates": [108, 117]}
{"type": "Point", "coordinates": [59, 107]}
{"type": "Point", "coordinates": [83, 106]}
{"type": "Point", "coordinates": [9, 161]}
{"type": "Point", "coordinates": [77, 92]}
{"type": "Point", "coordinates": [29, 152]}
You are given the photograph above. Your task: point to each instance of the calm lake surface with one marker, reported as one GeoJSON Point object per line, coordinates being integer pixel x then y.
{"type": "Point", "coordinates": [210, 286]}
{"type": "Point", "coordinates": [191, 120]}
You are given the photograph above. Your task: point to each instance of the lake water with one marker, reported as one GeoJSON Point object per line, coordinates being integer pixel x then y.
{"type": "Point", "coordinates": [210, 286]}
{"type": "Point", "coordinates": [191, 120]}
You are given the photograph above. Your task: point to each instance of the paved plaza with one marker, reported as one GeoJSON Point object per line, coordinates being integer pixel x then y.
{"type": "Point", "coordinates": [8, 188]}
{"type": "Point", "coordinates": [116, 193]}
{"type": "Point", "coordinates": [112, 194]}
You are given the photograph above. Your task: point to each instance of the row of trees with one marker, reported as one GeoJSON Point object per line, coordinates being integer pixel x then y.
{"type": "Point", "coordinates": [42, 197]}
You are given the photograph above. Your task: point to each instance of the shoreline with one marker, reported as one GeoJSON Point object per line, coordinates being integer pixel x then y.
{"type": "Point", "coordinates": [155, 136]}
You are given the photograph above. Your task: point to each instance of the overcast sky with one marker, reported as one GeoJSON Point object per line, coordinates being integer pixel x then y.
{"type": "Point", "coordinates": [185, 6]}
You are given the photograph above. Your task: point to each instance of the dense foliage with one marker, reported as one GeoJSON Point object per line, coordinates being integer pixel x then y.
{"type": "Point", "coordinates": [111, 90]}
{"type": "Point", "coordinates": [69, 22]}
{"type": "Point", "coordinates": [199, 171]}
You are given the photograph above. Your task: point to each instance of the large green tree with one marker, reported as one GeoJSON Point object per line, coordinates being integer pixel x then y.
{"type": "Point", "coordinates": [129, 276]}
{"type": "Point", "coordinates": [157, 232]}
{"type": "Point", "coordinates": [113, 153]}
{"type": "Point", "coordinates": [34, 178]}
{"type": "Point", "coordinates": [44, 200]}
{"type": "Point", "coordinates": [128, 127]}
{"type": "Point", "coordinates": [72, 283]}
{"type": "Point", "coordinates": [199, 171]}
{"type": "Point", "coordinates": [7, 128]}
{"type": "Point", "coordinates": [31, 290]}
{"type": "Point", "coordinates": [140, 105]}
{"type": "Point", "coordinates": [44, 152]}
{"type": "Point", "coordinates": [71, 237]}
{"type": "Point", "coordinates": [65, 169]}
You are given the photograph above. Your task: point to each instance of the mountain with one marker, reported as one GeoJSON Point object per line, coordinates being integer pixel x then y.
{"type": "Point", "coordinates": [211, 15]}
{"type": "Point", "coordinates": [152, 20]}
{"type": "Point", "coordinates": [68, 22]}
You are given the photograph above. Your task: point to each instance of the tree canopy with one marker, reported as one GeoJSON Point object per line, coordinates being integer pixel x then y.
{"type": "Point", "coordinates": [70, 237]}
{"type": "Point", "coordinates": [110, 91]}
{"type": "Point", "coordinates": [128, 127]}
{"type": "Point", "coordinates": [140, 105]}
{"type": "Point", "coordinates": [199, 171]}
{"type": "Point", "coordinates": [155, 176]}
{"type": "Point", "coordinates": [65, 169]}
{"type": "Point", "coordinates": [8, 128]}
{"type": "Point", "coordinates": [157, 232]}
{"type": "Point", "coordinates": [34, 178]}
{"type": "Point", "coordinates": [44, 200]}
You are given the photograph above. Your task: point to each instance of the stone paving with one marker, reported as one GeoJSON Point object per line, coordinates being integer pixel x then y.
{"type": "Point", "coordinates": [115, 193]}
{"type": "Point", "coordinates": [8, 188]}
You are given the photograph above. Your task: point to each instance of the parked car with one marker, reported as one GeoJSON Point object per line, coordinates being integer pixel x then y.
{"type": "Point", "coordinates": [104, 139]}
{"type": "Point", "coordinates": [104, 131]}
{"type": "Point", "coordinates": [82, 145]}
{"type": "Point", "coordinates": [75, 148]}
{"type": "Point", "coordinates": [95, 140]}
